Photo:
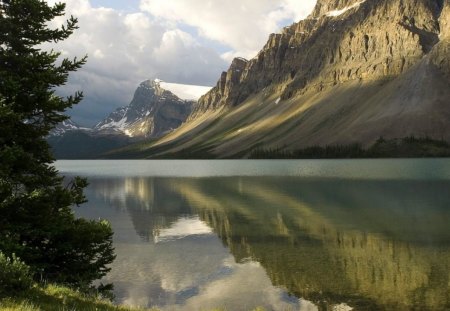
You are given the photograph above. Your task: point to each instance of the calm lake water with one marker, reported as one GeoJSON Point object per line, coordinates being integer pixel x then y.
{"type": "Point", "coordinates": [283, 235]}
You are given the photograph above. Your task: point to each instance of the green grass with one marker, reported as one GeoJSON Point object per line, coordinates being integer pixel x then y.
{"type": "Point", "coordinates": [58, 298]}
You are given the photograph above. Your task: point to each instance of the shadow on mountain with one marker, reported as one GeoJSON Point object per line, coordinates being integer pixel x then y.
{"type": "Point", "coordinates": [83, 145]}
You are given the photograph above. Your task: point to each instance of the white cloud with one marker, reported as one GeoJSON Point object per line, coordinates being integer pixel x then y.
{"type": "Point", "coordinates": [247, 286]}
{"type": "Point", "coordinates": [299, 9]}
{"type": "Point", "coordinates": [125, 49]}
{"type": "Point", "coordinates": [99, 54]}
{"type": "Point", "coordinates": [179, 41]}
{"type": "Point", "coordinates": [183, 227]}
{"type": "Point", "coordinates": [241, 25]}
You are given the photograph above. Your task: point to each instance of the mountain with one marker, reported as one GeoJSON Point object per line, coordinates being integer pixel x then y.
{"type": "Point", "coordinates": [65, 127]}
{"type": "Point", "coordinates": [352, 72]}
{"type": "Point", "coordinates": [155, 110]}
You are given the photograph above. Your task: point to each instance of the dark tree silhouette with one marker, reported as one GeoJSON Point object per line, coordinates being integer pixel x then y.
{"type": "Point", "coordinates": [37, 222]}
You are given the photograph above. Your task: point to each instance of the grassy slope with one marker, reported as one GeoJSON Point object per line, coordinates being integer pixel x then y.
{"type": "Point", "coordinates": [57, 298]}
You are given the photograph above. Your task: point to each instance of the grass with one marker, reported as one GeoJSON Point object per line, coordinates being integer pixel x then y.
{"type": "Point", "coordinates": [58, 298]}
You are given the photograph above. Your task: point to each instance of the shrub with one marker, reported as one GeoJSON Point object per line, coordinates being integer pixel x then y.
{"type": "Point", "coordinates": [14, 275]}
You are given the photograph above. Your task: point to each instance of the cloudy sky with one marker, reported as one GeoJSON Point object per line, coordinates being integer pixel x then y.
{"type": "Point", "coordinates": [179, 41]}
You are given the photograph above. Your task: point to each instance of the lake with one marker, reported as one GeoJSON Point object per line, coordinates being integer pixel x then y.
{"type": "Point", "coordinates": [282, 235]}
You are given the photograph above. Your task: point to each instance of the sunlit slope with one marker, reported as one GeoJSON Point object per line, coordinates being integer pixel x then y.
{"type": "Point", "coordinates": [416, 103]}
{"type": "Point", "coordinates": [378, 68]}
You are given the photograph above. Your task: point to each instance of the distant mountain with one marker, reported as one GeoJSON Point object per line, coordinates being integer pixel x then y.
{"type": "Point", "coordinates": [352, 72]}
{"type": "Point", "coordinates": [154, 111]}
{"type": "Point", "coordinates": [65, 127]}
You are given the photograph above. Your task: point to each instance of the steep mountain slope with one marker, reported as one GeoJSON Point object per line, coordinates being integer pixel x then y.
{"type": "Point", "coordinates": [353, 71]}
{"type": "Point", "coordinates": [153, 112]}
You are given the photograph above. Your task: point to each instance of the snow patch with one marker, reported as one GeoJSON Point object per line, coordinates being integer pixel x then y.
{"type": "Point", "coordinates": [64, 127]}
{"type": "Point", "coordinates": [342, 11]}
{"type": "Point", "coordinates": [185, 91]}
{"type": "Point", "coordinates": [278, 101]}
{"type": "Point", "coordinates": [69, 125]}
{"type": "Point", "coordinates": [128, 133]}
{"type": "Point", "coordinates": [120, 125]}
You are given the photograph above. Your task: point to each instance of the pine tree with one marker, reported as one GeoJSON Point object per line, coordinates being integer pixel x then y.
{"type": "Point", "coordinates": [37, 222]}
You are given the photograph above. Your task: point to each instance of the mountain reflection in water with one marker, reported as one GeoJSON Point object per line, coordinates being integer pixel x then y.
{"type": "Point", "coordinates": [287, 243]}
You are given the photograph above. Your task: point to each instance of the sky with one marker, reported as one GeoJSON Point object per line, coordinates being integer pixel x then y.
{"type": "Point", "coordinates": [178, 41]}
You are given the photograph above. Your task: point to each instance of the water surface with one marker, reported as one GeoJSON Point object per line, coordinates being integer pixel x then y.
{"type": "Point", "coordinates": [284, 235]}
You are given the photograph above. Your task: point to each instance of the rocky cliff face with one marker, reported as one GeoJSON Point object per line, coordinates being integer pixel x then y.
{"type": "Point", "coordinates": [226, 90]}
{"type": "Point", "coordinates": [341, 40]}
{"type": "Point", "coordinates": [153, 112]}
{"type": "Point", "coordinates": [353, 71]}
{"type": "Point", "coordinates": [440, 55]}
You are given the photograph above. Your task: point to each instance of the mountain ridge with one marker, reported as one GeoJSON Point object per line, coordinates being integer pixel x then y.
{"type": "Point", "coordinates": [273, 62]}
{"type": "Point", "coordinates": [66, 126]}
{"type": "Point", "coordinates": [351, 72]}
{"type": "Point", "coordinates": [153, 112]}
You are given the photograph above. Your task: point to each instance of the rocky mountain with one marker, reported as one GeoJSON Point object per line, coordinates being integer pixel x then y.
{"type": "Point", "coordinates": [65, 127]}
{"type": "Point", "coordinates": [153, 112]}
{"type": "Point", "coordinates": [353, 71]}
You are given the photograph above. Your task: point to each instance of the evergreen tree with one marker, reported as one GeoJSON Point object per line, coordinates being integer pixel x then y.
{"type": "Point", "coordinates": [36, 218]}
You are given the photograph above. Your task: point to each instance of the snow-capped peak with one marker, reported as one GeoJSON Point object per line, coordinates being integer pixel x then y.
{"type": "Point", "coordinates": [184, 91]}
{"type": "Point", "coordinates": [157, 108]}
{"type": "Point", "coordinates": [342, 11]}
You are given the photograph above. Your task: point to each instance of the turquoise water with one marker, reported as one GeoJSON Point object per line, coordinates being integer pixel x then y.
{"type": "Point", "coordinates": [284, 235]}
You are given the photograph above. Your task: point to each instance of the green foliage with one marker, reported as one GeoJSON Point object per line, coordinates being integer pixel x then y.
{"type": "Point", "coordinates": [37, 221]}
{"type": "Point", "coordinates": [14, 275]}
{"type": "Point", "coordinates": [315, 152]}
{"type": "Point", "coordinates": [60, 298]}
{"type": "Point", "coordinates": [57, 298]}
{"type": "Point", "coordinates": [409, 147]}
